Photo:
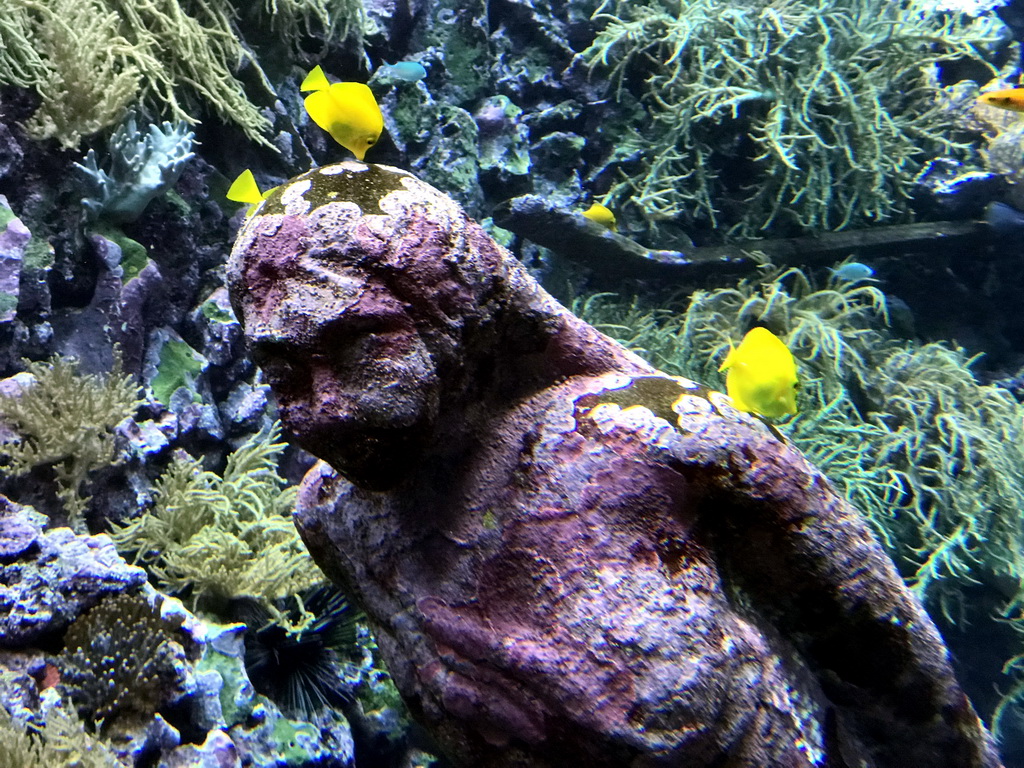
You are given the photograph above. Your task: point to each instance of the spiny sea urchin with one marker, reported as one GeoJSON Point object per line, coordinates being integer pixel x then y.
{"type": "Point", "coordinates": [307, 669]}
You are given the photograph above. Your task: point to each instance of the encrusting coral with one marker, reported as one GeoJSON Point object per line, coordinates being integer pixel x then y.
{"type": "Point", "coordinates": [223, 536]}
{"type": "Point", "coordinates": [807, 113]}
{"type": "Point", "coordinates": [65, 420]}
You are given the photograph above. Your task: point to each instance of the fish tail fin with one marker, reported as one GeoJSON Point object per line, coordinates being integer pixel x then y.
{"type": "Point", "coordinates": [244, 189]}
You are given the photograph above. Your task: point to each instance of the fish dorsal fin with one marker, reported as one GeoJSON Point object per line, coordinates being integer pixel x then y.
{"type": "Point", "coordinates": [244, 189]}
{"type": "Point", "coordinates": [316, 80]}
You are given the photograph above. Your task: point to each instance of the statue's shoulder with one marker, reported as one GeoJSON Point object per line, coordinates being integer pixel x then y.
{"type": "Point", "coordinates": [655, 409]}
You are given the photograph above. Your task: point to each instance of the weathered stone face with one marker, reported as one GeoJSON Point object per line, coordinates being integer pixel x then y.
{"type": "Point", "coordinates": [344, 353]}
{"type": "Point", "coordinates": [568, 556]}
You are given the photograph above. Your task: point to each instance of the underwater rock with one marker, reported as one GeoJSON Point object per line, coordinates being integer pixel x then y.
{"type": "Point", "coordinates": [217, 751]}
{"type": "Point", "coordinates": [14, 238]}
{"type": "Point", "coordinates": [87, 334]}
{"type": "Point", "coordinates": [244, 409]}
{"type": "Point", "coordinates": [567, 232]}
{"type": "Point", "coordinates": [221, 333]}
{"type": "Point", "coordinates": [269, 739]}
{"type": "Point", "coordinates": [566, 555]}
{"type": "Point", "coordinates": [47, 578]}
{"type": "Point", "coordinates": [504, 153]}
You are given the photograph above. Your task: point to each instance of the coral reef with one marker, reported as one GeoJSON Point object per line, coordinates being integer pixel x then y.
{"type": "Point", "coordinates": [50, 577]}
{"type": "Point", "coordinates": [802, 113]}
{"type": "Point", "coordinates": [122, 660]}
{"type": "Point", "coordinates": [564, 553]}
{"type": "Point", "coordinates": [64, 420]}
{"type": "Point", "coordinates": [153, 682]}
{"type": "Point", "coordinates": [223, 536]}
{"type": "Point", "coordinates": [143, 165]}
{"type": "Point", "coordinates": [89, 60]}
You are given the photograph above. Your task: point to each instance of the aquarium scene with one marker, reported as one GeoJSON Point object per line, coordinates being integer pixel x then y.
{"type": "Point", "coordinates": [512, 383]}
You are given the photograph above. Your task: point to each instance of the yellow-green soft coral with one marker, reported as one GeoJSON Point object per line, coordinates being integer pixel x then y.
{"type": "Point", "coordinates": [223, 536]}
{"type": "Point", "coordinates": [65, 420]}
{"type": "Point", "coordinates": [814, 113]}
{"type": "Point", "coordinates": [72, 53]}
{"type": "Point", "coordinates": [60, 741]}
{"type": "Point", "coordinates": [91, 59]}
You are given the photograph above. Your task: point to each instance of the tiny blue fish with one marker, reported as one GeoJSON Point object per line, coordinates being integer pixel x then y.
{"type": "Point", "coordinates": [851, 272]}
{"type": "Point", "coordinates": [410, 71]}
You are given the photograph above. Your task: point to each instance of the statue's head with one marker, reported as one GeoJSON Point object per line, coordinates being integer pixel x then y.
{"type": "Point", "coordinates": [357, 297]}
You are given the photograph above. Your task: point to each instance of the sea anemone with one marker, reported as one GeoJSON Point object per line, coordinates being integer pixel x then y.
{"type": "Point", "coordinates": [302, 658]}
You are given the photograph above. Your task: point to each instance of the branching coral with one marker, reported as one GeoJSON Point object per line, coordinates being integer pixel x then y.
{"type": "Point", "coordinates": [91, 59]}
{"type": "Point", "coordinates": [957, 447]}
{"type": "Point", "coordinates": [223, 537]}
{"type": "Point", "coordinates": [122, 660]}
{"type": "Point", "coordinates": [143, 165]}
{"type": "Point", "coordinates": [73, 55]}
{"type": "Point", "coordinates": [337, 19]}
{"type": "Point", "coordinates": [822, 110]}
{"type": "Point", "coordinates": [65, 420]}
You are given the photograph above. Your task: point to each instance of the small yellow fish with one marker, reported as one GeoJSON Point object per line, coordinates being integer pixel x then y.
{"type": "Point", "coordinates": [244, 189]}
{"type": "Point", "coordinates": [761, 375]}
{"type": "Point", "coordinates": [1006, 98]}
{"type": "Point", "coordinates": [347, 111]}
{"type": "Point", "coordinates": [602, 216]}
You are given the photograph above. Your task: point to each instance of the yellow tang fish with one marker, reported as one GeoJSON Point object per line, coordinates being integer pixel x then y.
{"type": "Point", "coordinates": [761, 375]}
{"type": "Point", "coordinates": [245, 190]}
{"type": "Point", "coordinates": [347, 111]}
{"type": "Point", "coordinates": [602, 216]}
{"type": "Point", "coordinates": [1006, 98]}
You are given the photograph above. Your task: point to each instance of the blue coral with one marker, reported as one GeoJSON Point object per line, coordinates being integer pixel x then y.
{"type": "Point", "coordinates": [143, 166]}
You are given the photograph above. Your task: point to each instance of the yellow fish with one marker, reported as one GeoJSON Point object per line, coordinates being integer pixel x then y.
{"type": "Point", "coordinates": [1006, 98]}
{"type": "Point", "coordinates": [602, 216]}
{"type": "Point", "coordinates": [245, 190]}
{"type": "Point", "coordinates": [761, 375]}
{"type": "Point", "coordinates": [347, 111]}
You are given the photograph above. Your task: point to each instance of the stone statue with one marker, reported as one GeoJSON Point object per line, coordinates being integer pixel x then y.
{"type": "Point", "coordinates": [567, 556]}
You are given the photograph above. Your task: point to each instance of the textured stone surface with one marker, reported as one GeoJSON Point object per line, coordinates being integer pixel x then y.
{"type": "Point", "coordinates": [49, 577]}
{"type": "Point", "coordinates": [567, 556]}
{"type": "Point", "coordinates": [14, 238]}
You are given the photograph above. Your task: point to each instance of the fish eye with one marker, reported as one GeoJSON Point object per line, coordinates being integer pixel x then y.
{"type": "Point", "coordinates": [370, 142]}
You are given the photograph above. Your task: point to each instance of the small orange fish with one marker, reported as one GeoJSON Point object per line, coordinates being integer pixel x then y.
{"type": "Point", "coordinates": [1006, 98]}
